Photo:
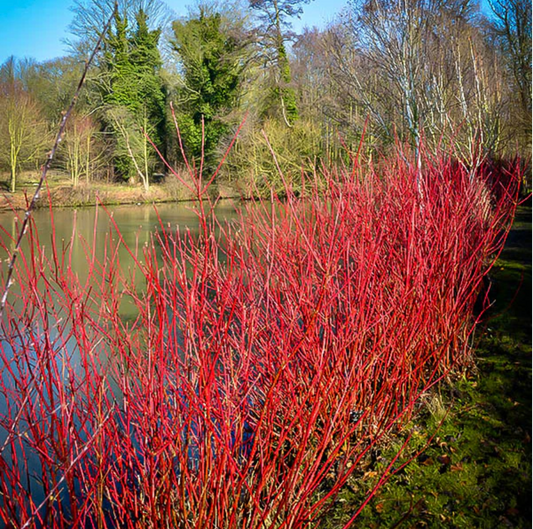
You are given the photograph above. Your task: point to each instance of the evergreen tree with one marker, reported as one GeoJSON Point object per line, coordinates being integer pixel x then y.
{"type": "Point", "coordinates": [133, 89]}
{"type": "Point", "coordinates": [212, 57]}
{"type": "Point", "coordinates": [146, 62]}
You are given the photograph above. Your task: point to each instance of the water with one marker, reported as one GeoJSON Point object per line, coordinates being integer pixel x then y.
{"type": "Point", "coordinates": [79, 232]}
{"type": "Point", "coordinates": [136, 224]}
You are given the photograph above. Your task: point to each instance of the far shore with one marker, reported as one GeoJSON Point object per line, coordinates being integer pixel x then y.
{"type": "Point", "coordinates": [60, 192]}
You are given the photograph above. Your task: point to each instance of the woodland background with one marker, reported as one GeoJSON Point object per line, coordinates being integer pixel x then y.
{"type": "Point", "coordinates": [444, 73]}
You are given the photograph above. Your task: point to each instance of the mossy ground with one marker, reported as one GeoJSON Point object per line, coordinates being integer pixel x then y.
{"type": "Point", "coordinates": [476, 470]}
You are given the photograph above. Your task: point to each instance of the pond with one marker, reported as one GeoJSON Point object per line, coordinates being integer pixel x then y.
{"type": "Point", "coordinates": [89, 228]}
{"type": "Point", "coordinates": [79, 232]}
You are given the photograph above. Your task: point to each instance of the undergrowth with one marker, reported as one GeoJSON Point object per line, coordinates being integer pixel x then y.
{"type": "Point", "coordinates": [270, 362]}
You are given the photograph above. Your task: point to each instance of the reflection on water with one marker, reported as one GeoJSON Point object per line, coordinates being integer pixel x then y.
{"type": "Point", "coordinates": [135, 223]}
{"type": "Point", "coordinates": [81, 233]}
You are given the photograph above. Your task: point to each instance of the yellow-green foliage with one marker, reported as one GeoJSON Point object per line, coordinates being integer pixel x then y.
{"type": "Point", "coordinates": [251, 164]}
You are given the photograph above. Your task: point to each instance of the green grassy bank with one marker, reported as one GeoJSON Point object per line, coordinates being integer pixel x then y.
{"type": "Point", "coordinates": [476, 471]}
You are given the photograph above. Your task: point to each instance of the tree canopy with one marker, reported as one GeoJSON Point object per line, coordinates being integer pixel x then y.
{"type": "Point", "coordinates": [440, 72]}
{"type": "Point", "coordinates": [213, 59]}
{"type": "Point", "coordinates": [133, 89]}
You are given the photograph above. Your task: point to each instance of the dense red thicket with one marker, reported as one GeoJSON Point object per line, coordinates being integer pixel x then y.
{"type": "Point", "coordinates": [266, 359]}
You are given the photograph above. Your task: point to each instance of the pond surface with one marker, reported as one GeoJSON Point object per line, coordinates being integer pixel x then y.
{"type": "Point", "coordinates": [77, 233]}
{"type": "Point", "coordinates": [88, 229]}
{"type": "Point", "coordinates": [136, 223]}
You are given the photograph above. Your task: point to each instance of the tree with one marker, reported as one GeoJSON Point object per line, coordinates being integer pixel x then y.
{"type": "Point", "coordinates": [213, 55]}
{"type": "Point", "coordinates": [392, 36]}
{"type": "Point", "coordinates": [418, 68]}
{"type": "Point", "coordinates": [274, 31]}
{"type": "Point", "coordinates": [24, 71]}
{"type": "Point", "coordinates": [146, 62]}
{"type": "Point", "coordinates": [80, 148]}
{"type": "Point", "coordinates": [23, 131]}
{"type": "Point", "coordinates": [53, 83]}
{"type": "Point", "coordinates": [90, 16]}
{"type": "Point", "coordinates": [132, 143]}
{"type": "Point", "coordinates": [512, 26]}
{"type": "Point", "coordinates": [320, 100]}
{"type": "Point", "coordinates": [469, 91]}
{"type": "Point", "coordinates": [133, 90]}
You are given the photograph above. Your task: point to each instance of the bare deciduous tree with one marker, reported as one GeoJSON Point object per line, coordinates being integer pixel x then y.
{"type": "Point", "coordinates": [82, 151]}
{"type": "Point", "coordinates": [512, 26]}
{"type": "Point", "coordinates": [91, 15]}
{"type": "Point", "coordinates": [419, 68]}
{"type": "Point", "coordinates": [132, 141]}
{"type": "Point", "coordinates": [23, 132]}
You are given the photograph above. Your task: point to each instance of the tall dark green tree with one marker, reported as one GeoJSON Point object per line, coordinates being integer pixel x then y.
{"type": "Point", "coordinates": [212, 53]}
{"type": "Point", "coordinates": [134, 94]}
{"type": "Point", "coordinates": [274, 31]}
{"type": "Point", "coordinates": [146, 61]}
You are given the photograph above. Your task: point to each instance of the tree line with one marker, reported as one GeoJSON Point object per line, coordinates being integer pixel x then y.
{"type": "Point", "coordinates": [439, 72]}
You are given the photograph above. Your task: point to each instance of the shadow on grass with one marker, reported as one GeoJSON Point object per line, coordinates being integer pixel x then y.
{"type": "Point", "coordinates": [476, 472]}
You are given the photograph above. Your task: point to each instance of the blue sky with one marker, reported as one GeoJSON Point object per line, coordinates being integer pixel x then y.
{"type": "Point", "coordinates": [37, 28]}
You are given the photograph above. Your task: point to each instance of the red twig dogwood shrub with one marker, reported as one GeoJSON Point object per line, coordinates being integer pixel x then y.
{"type": "Point", "coordinates": [266, 357]}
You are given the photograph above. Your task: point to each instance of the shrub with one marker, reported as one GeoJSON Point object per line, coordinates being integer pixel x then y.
{"type": "Point", "coordinates": [250, 163]}
{"type": "Point", "coordinates": [266, 358]}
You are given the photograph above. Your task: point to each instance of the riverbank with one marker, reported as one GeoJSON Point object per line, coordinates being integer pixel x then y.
{"type": "Point", "coordinates": [476, 470]}
{"type": "Point", "coordinates": [61, 193]}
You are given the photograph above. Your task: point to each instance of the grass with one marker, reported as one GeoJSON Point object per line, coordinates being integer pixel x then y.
{"type": "Point", "coordinates": [476, 471]}
{"type": "Point", "coordinates": [64, 194]}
